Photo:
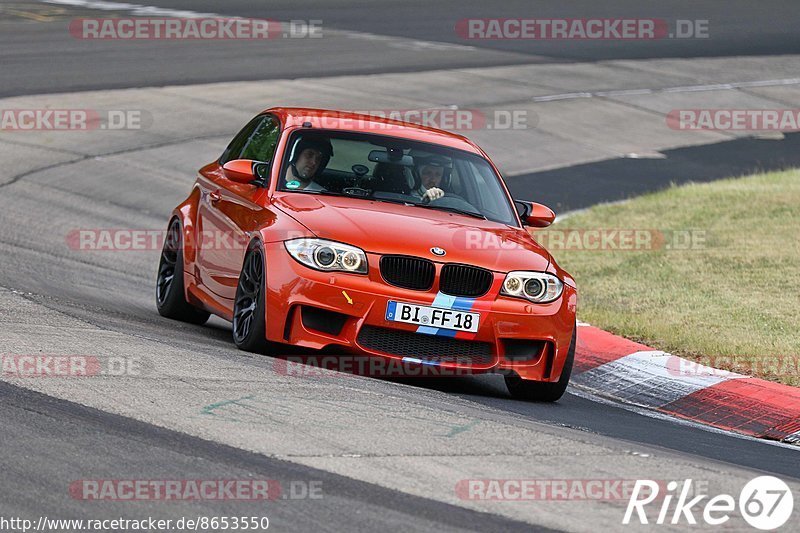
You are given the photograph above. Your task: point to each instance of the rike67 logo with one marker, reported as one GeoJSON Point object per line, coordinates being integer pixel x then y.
{"type": "Point", "coordinates": [765, 503]}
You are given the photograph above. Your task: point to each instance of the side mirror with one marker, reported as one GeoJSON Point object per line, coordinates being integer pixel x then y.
{"type": "Point", "coordinates": [239, 170]}
{"type": "Point", "coordinates": [245, 170]}
{"type": "Point", "coordinates": [535, 215]}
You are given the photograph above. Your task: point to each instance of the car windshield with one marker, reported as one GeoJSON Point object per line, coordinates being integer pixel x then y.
{"type": "Point", "coordinates": [378, 167]}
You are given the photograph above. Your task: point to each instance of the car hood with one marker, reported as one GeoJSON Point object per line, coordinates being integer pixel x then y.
{"type": "Point", "coordinates": [387, 228]}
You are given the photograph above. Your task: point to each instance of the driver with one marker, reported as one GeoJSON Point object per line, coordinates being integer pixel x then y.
{"type": "Point", "coordinates": [434, 173]}
{"type": "Point", "coordinates": [309, 158]}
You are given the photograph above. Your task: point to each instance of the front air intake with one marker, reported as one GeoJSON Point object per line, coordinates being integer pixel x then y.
{"type": "Point", "coordinates": [408, 272]}
{"type": "Point", "coordinates": [464, 280]}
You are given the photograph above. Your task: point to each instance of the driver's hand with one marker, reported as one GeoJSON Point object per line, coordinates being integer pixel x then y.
{"type": "Point", "coordinates": [434, 193]}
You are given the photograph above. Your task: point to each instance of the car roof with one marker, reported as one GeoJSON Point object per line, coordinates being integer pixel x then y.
{"type": "Point", "coordinates": [330, 119]}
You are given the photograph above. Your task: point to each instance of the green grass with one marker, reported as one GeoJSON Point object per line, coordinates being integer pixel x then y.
{"type": "Point", "coordinates": [733, 301]}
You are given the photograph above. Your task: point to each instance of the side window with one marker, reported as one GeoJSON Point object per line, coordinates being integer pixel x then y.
{"type": "Point", "coordinates": [261, 144]}
{"type": "Point", "coordinates": [256, 141]}
{"type": "Point", "coordinates": [235, 147]}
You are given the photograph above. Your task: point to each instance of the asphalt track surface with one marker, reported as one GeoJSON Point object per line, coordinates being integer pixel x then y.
{"type": "Point", "coordinates": [49, 442]}
{"type": "Point", "coordinates": [59, 433]}
{"type": "Point", "coordinates": [39, 56]}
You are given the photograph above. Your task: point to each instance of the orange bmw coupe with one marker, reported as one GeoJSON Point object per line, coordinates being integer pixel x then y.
{"type": "Point", "coordinates": [363, 235]}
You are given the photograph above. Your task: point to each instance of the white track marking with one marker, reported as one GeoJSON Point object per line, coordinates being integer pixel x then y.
{"type": "Point", "coordinates": [651, 378]}
{"type": "Point", "coordinates": [138, 10]}
{"type": "Point", "coordinates": [681, 89]}
{"type": "Point", "coordinates": [591, 395]}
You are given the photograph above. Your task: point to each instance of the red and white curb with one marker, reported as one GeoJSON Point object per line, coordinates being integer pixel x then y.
{"type": "Point", "coordinates": [619, 369]}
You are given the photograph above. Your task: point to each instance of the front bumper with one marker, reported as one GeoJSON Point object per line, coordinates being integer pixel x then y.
{"type": "Point", "coordinates": [514, 335]}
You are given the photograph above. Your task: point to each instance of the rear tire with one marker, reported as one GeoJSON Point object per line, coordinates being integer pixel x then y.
{"type": "Point", "coordinates": [249, 306]}
{"type": "Point", "coordinates": [538, 391]}
{"type": "Point", "coordinates": [170, 294]}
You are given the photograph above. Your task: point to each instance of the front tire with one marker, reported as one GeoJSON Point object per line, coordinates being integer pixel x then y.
{"type": "Point", "coordinates": [170, 296]}
{"type": "Point", "coordinates": [249, 307]}
{"type": "Point", "coordinates": [537, 391]}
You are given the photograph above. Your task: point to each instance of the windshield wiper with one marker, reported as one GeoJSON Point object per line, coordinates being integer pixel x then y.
{"type": "Point", "coordinates": [391, 201]}
{"type": "Point", "coordinates": [323, 193]}
{"type": "Point", "coordinates": [474, 214]}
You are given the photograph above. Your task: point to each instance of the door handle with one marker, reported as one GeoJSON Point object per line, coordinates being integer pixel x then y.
{"type": "Point", "coordinates": [214, 197]}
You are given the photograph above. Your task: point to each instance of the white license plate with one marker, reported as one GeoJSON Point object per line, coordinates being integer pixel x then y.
{"type": "Point", "coordinates": [435, 317]}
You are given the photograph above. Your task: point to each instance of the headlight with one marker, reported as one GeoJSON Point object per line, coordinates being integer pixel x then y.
{"type": "Point", "coordinates": [328, 256]}
{"type": "Point", "coordinates": [537, 287]}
